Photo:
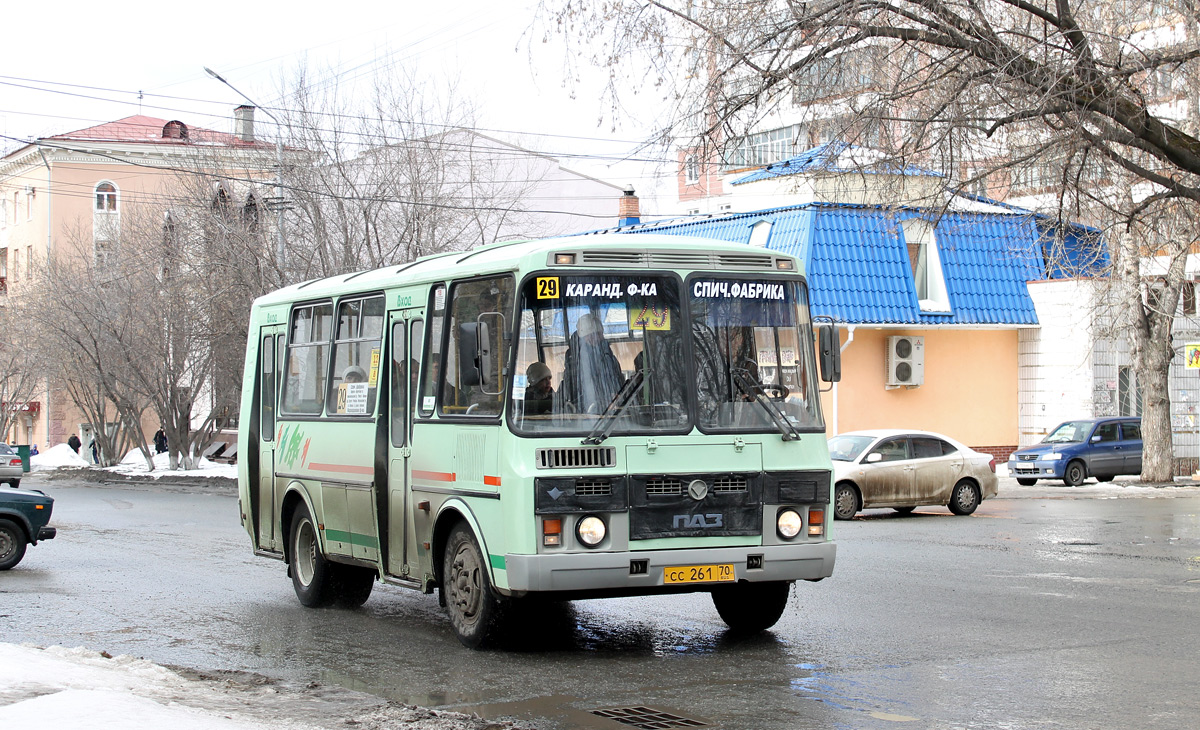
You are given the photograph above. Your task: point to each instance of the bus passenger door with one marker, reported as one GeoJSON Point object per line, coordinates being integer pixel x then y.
{"type": "Point", "coordinates": [405, 353]}
{"type": "Point", "coordinates": [271, 346]}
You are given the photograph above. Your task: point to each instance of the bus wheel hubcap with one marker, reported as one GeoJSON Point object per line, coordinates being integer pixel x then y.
{"type": "Point", "coordinates": [464, 583]}
{"type": "Point", "coordinates": [306, 552]}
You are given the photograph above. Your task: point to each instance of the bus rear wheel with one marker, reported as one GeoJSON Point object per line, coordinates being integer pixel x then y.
{"type": "Point", "coordinates": [475, 609]}
{"type": "Point", "coordinates": [748, 608]}
{"type": "Point", "coordinates": [311, 573]}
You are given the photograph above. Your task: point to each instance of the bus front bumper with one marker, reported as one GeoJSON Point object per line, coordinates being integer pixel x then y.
{"type": "Point", "coordinates": [629, 571]}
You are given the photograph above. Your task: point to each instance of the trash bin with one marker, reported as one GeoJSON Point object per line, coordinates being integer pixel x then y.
{"type": "Point", "coordinates": [23, 452]}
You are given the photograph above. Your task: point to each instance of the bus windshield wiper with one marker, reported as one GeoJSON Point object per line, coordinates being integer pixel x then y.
{"type": "Point", "coordinates": [752, 387]}
{"type": "Point", "coordinates": [608, 419]}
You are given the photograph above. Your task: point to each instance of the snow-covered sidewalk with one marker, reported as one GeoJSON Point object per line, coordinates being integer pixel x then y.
{"type": "Point", "coordinates": [67, 689]}
{"type": "Point", "coordinates": [133, 465]}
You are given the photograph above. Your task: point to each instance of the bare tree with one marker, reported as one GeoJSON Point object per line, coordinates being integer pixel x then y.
{"type": "Point", "coordinates": [22, 371]}
{"type": "Point", "coordinates": [1097, 99]}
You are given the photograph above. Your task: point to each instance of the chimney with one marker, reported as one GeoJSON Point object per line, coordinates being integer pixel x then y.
{"type": "Point", "coordinates": [243, 123]}
{"type": "Point", "coordinates": [628, 213]}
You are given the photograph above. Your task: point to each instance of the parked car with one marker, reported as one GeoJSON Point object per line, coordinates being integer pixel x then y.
{"type": "Point", "coordinates": [10, 466]}
{"type": "Point", "coordinates": [24, 518]}
{"type": "Point", "coordinates": [1092, 447]}
{"type": "Point", "coordinates": [907, 469]}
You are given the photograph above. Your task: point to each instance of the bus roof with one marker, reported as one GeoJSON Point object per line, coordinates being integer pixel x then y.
{"type": "Point", "coordinates": [602, 251]}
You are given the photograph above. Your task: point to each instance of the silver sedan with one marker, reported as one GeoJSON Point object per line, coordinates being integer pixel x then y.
{"type": "Point", "coordinates": [10, 466]}
{"type": "Point", "coordinates": [907, 469]}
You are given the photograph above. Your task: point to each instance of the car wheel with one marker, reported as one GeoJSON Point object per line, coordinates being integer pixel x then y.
{"type": "Point", "coordinates": [845, 501]}
{"type": "Point", "coordinates": [312, 574]}
{"type": "Point", "coordinates": [904, 510]}
{"type": "Point", "coordinates": [748, 608]}
{"type": "Point", "coordinates": [352, 584]}
{"type": "Point", "coordinates": [1075, 474]}
{"type": "Point", "coordinates": [14, 483]}
{"type": "Point", "coordinates": [964, 499]}
{"type": "Point", "coordinates": [1104, 479]}
{"type": "Point", "coordinates": [476, 611]}
{"type": "Point", "coordinates": [1026, 482]}
{"type": "Point", "coordinates": [12, 544]}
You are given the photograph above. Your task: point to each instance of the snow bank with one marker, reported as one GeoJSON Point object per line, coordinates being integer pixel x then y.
{"type": "Point", "coordinates": [56, 458]}
{"type": "Point", "coordinates": [62, 688]}
{"type": "Point", "coordinates": [134, 464]}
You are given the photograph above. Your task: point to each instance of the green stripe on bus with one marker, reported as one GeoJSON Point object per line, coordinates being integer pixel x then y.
{"type": "Point", "coordinates": [352, 537]}
{"type": "Point", "coordinates": [497, 561]}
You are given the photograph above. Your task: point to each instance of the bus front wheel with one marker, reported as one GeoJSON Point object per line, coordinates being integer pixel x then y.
{"type": "Point", "coordinates": [475, 609]}
{"type": "Point", "coordinates": [748, 608]}
{"type": "Point", "coordinates": [311, 573]}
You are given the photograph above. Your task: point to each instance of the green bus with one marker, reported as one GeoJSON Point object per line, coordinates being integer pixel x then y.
{"type": "Point", "coordinates": [578, 417]}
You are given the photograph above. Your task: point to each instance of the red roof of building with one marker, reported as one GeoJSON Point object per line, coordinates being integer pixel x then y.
{"type": "Point", "coordinates": [151, 130]}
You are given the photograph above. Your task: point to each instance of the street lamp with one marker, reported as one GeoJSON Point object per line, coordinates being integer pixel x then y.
{"type": "Point", "coordinates": [278, 164]}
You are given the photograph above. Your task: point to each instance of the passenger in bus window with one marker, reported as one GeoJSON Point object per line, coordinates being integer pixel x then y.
{"type": "Point", "coordinates": [592, 375]}
{"type": "Point", "coordinates": [354, 374]}
{"type": "Point", "coordinates": [539, 389]}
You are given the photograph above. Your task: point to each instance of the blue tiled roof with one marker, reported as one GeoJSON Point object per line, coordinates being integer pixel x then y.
{"type": "Point", "coordinates": [859, 271]}
{"type": "Point", "coordinates": [826, 158]}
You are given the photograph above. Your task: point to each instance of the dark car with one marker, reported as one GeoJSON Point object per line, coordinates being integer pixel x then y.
{"type": "Point", "coordinates": [1095, 447]}
{"type": "Point", "coordinates": [24, 515]}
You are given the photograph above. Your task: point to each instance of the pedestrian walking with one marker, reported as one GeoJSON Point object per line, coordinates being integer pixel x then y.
{"type": "Point", "coordinates": [160, 441]}
{"type": "Point", "coordinates": [95, 451]}
{"type": "Point", "coordinates": [74, 443]}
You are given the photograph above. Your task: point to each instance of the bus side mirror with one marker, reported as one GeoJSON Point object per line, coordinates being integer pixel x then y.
{"type": "Point", "coordinates": [830, 346]}
{"type": "Point", "coordinates": [475, 354]}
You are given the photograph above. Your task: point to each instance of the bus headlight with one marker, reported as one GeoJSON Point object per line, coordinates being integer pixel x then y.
{"type": "Point", "coordinates": [590, 530]}
{"type": "Point", "coordinates": [789, 523]}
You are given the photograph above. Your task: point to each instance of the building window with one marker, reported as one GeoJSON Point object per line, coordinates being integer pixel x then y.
{"type": "Point", "coordinates": [16, 267]}
{"type": "Point", "coordinates": [3, 212]}
{"type": "Point", "coordinates": [691, 170]}
{"type": "Point", "coordinates": [763, 148]}
{"type": "Point", "coordinates": [28, 204]}
{"type": "Point", "coordinates": [1129, 394]}
{"type": "Point", "coordinates": [928, 280]}
{"type": "Point", "coordinates": [16, 208]}
{"type": "Point", "coordinates": [28, 262]}
{"type": "Point", "coordinates": [1189, 297]}
{"type": "Point", "coordinates": [106, 198]}
{"type": "Point", "coordinates": [3, 263]}
{"type": "Point", "coordinates": [760, 232]}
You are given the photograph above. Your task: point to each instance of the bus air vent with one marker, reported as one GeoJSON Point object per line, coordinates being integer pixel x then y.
{"type": "Point", "coordinates": [663, 485]}
{"type": "Point", "coordinates": [731, 483]}
{"type": "Point", "coordinates": [745, 261]}
{"type": "Point", "coordinates": [576, 457]}
{"type": "Point", "coordinates": [593, 487]}
{"type": "Point", "coordinates": [612, 258]}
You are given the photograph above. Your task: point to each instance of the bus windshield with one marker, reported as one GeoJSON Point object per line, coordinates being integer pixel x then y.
{"type": "Point", "coordinates": [582, 341]}
{"type": "Point", "coordinates": [753, 350]}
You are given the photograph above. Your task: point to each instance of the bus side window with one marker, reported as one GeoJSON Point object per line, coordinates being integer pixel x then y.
{"type": "Point", "coordinates": [433, 353]}
{"type": "Point", "coordinates": [479, 308]}
{"type": "Point", "coordinates": [356, 356]}
{"type": "Point", "coordinates": [267, 389]}
{"type": "Point", "coordinates": [415, 350]}
{"type": "Point", "coordinates": [399, 384]}
{"type": "Point", "coordinates": [308, 359]}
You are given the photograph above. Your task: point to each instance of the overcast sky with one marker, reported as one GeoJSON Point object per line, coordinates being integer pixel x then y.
{"type": "Point", "coordinates": [88, 64]}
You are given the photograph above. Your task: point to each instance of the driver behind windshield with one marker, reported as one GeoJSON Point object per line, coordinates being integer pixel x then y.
{"type": "Point", "coordinates": [539, 391]}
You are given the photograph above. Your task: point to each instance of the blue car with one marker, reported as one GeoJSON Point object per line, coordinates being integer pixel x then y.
{"type": "Point", "coordinates": [1097, 447]}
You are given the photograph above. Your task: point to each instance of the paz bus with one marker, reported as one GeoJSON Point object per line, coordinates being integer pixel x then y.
{"type": "Point", "coordinates": [577, 417]}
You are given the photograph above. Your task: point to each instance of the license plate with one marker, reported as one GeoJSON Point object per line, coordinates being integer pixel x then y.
{"type": "Point", "coordinates": [720, 573]}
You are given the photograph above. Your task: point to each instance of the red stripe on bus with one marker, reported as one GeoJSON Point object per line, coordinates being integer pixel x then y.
{"type": "Point", "coordinates": [492, 481]}
{"type": "Point", "coordinates": [433, 476]}
{"type": "Point", "coordinates": [343, 468]}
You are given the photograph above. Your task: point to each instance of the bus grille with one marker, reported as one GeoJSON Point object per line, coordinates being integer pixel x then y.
{"type": "Point", "coordinates": [729, 484]}
{"type": "Point", "coordinates": [577, 457]}
{"type": "Point", "coordinates": [663, 485]}
{"type": "Point", "coordinates": [593, 487]}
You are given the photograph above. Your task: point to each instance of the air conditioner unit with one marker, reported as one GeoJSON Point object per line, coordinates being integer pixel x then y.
{"type": "Point", "coordinates": [905, 361]}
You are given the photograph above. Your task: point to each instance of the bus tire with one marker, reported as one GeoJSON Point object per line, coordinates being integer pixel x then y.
{"type": "Point", "coordinates": [312, 574]}
{"type": "Point", "coordinates": [352, 584]}
{"type": "Point", "coordinates": [475, 609]}
{"type": "Point", "coordinates": [12, 544]}
{"type": "Point", "coordinates": [748, 608]}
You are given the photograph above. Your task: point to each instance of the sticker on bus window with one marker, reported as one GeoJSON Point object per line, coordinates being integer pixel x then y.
{"type": "Point", "coordinates": [653, 318]}
{"type": "Point", "coordinates": [547, 287]}
{"type": "Point", "coordinates": [373, 379]}
{"type": "Point", "coordinates": [352, 398]}
{"type": "Point", "coordinates": [427, 403]}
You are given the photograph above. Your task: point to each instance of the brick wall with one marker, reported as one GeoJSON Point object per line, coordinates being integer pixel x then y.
{"type": "Point", "coordinates": [1000, 452]}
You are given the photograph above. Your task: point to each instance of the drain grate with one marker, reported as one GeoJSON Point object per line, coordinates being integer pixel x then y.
{"type": "Point", "coordinates": [648, 718]}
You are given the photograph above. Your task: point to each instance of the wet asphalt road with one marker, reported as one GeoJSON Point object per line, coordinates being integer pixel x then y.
{"type": "Point", "coordinates": [1033, 613]}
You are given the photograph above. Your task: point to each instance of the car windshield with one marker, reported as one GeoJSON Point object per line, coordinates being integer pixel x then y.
{"type": "Point", "coordinates": [1069, 433]}
{"type": "Point", "coordinates": [6, 449]}
{"type": "Point", "coordinates": [753, 353]}
{"type": "Point", "coordinates": [582, 340]}
{"type": "Point", "coordinates": [847, 448]}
